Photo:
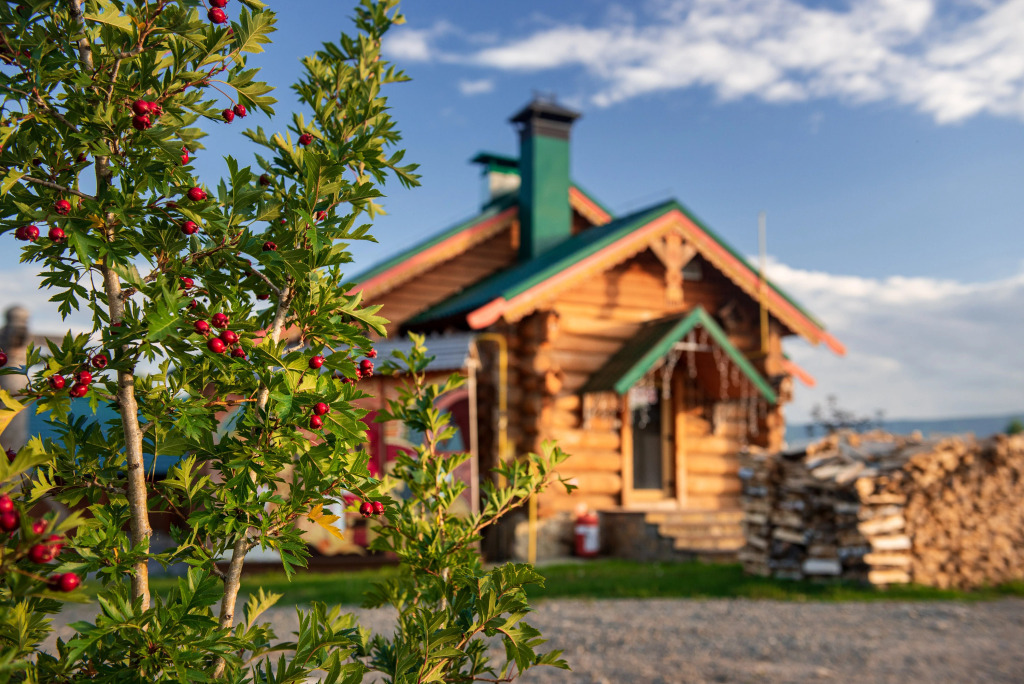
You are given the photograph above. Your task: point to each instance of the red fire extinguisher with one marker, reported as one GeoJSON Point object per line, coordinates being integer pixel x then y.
{"type": "Point", "coordinates": [588, 541]}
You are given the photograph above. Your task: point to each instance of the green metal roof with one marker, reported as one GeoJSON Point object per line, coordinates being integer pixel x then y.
{"type": "Point", "coordinates": [522, 277]}
{"type": "Point", "coordinates": [653, 341]}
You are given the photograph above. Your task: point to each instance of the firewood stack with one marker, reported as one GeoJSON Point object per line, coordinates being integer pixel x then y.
{"type": "Point", "coordinates": [888, 510]}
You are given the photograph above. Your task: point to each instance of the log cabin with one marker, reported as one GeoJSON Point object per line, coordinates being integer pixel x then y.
{"type": "Point", "coordinates": [646, 346]}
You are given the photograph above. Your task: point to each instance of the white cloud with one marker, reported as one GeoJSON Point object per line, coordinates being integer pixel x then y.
{"type": "Point", "coordinates": [477, 87]}
{"type": "Point", "coordinates": [415, 45]}
{"type": "Point", "coordinates": [916, 347]}
{"type": "Point", "coordinates": [917, 53]}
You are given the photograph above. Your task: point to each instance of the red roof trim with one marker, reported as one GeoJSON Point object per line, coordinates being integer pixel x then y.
{"type": "Point", "coordinates": [576, 195]}
{"type": "Point", "coordinates": [752, 279]}
{"type": "Point", "coordinates": [464, 237]}
{"type": "Point", "coordinates": [799, 373]}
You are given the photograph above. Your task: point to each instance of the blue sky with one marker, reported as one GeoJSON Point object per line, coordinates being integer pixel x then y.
{"type": "Point", "coordinates": [883, 138]}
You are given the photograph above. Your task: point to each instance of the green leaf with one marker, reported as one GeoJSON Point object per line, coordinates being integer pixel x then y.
{"type": "Point", "coordinates": [111, 16]}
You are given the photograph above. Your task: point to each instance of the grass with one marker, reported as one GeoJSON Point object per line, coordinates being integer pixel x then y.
{"type": "Point", "coordinates": [610, 578]}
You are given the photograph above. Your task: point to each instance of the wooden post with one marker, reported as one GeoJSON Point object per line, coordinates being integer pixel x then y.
{"type": "Point", "coordinates": [678, 410]}
{"type": "Point", "coordinates": [627, 451]}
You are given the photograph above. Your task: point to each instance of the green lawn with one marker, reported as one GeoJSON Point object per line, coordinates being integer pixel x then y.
{"type": "Point", "coordinates": [609, 578]}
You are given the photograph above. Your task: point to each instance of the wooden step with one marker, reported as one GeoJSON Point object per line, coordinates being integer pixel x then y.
{"type": "Point", "coordinates": [704, 530]}
{"type": "Point", "coordinates": [710, 544]}
{"type": "Point", "coordinates": [695, 517]}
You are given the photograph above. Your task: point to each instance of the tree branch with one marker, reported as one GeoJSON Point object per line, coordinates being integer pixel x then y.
{"type": "Point", "coordinates": [57, 186]}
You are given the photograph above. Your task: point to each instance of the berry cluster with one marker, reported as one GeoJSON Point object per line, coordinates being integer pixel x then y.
{"type": "Point", "coordinates": [82, 379]}
{"type": "Point", "coordinates": [230, 114]}
{"type": "Point", "coordinates": [146, 113]}
{"type": "Point", "coordinates": [34, 544]}
{"type": "Point", "coordinates": [226, 338]}
{"type": "Point", "coordinates": [30, 233]}
{"type": "Point", "coordinates": [316, 420]}
{"type": "Point", "coordinates": [370, 508]}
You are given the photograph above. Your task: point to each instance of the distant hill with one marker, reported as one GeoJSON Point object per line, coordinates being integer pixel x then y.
{"type": "Point", "coordinates": [981, 426]}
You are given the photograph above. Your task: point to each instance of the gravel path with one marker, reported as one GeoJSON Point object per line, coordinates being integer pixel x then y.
{"type": "Point", "coordinates": [666, 640]}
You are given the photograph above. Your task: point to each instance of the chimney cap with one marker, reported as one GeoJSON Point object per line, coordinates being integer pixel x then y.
{"type": "Point", "coordinates": [547, 109]}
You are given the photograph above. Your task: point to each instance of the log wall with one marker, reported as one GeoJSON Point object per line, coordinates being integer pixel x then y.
{"type": "Point", "coordinates": [557, 350]}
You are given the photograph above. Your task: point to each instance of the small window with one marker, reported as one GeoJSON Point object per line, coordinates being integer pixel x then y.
{"type": "Point", "coordinates": [693, 270]}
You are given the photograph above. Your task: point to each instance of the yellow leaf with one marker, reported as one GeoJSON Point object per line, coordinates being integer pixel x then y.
{"type": "Point", "coordinates": [13, 409]}
{"type": "Point", "coordinates": [317, 515]}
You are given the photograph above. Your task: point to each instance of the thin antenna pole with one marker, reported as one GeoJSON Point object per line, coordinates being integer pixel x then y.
{"type": "Point", "coordinates": [762, 240]}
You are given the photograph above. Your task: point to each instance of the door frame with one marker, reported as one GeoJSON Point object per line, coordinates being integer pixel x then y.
{"type": "Point", "coordinates": [673, 490]}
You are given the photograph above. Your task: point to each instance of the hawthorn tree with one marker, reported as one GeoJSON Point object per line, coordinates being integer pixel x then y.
{"type": "Point", "coordinates": [211, 300]}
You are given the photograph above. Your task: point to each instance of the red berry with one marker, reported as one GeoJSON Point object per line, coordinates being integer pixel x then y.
{"type": "Point", "coordinates": [315, 422]}
{"type": "Point", "coordinates": [141, 122]}
{"type": "Point", "coordinates": [366, 367]}
{"type": "Point", "coordinates": [216, 345]}
{"type": "Point", "coordinates": [305, 139]}
{"type": "Point", "coordinates": [202, 327]}
{"type": "Point", "coordinates": [240, 110]}
{"type": "Point", "coordinates": [78, 390]}
{"type": "Point", "coordinates": [56, 234]}
{"type": "Point", "coordinates": [99, 362]}
{"type": "Point", "coordinates": [321, 215]}
{"type": "Point", "coordinates": [217, 16]}
{"type": "Point", "coordinates": [142, 107]}
{"type": "Point", "coordinates": [189, 227]}
{"type": "Point", "coordinates": [3, 359]}
{"type": "Point", "coordinates": [11, 455]}
{"type": "Point", "coordinates": [269, 247]}
{"type": "Point", "coordinates": [366, 509]}
{"type": "Point", "coordinates": [83, 377]}
{"type": "Point", "coordinates": [38, 527]}
{"type": "Point", "coordinates": [229, 337]}
{"type": "Point", "coordinates": [9, 521]}
{"type": "Point", "coordinates": [155, 111]}
{"type": "Point", "coordinates": [218, 3]}
{"type": "Point", "coordinates": [228, 115]}
{"type": "Point", "coordinates": [238, 353]}
{"type": "Point", "coordinates": [321, 408]}
{"type": "Point", "coordinates": [263, 296]}
{"type": "Point", "coordinates": [6, 505]}
{"type": "Point", "coordinates": [220, 320]}
{"type": "Point", "coordinates": [193, 304]}
{"type": "Point", "coordinates": [359, 374]}
{"type": "Point", "coordinates": [184, 156]}
{"type": "Point", "coordinates": [40, 553]}
{"type": "Point", "coordinates": [316, 362]}
{"type": "Point", "coordinates": [264, 180]}
{"type": "Point", "coordinates": [62, 207]}
{"type": "Point", "coordinates": [57, 382]}
{"type": "Point", "coordinates": [372, 354]}
{"type": "Point", "coordinates": [187, 282]}
{"type": "Point", "coordinates": [196, 194]}
{"type": "Point", "coordinates": [68, 582]}
{"type": "Point", "coordinates": [27, 233]}
{"type": "Point", "coordinates": [378, 508]}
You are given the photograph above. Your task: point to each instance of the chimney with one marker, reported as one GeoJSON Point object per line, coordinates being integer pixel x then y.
{"type": "Point", "coordinates": [501, 175]}
{"type": "Point", "coordinates": [545, 218]}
